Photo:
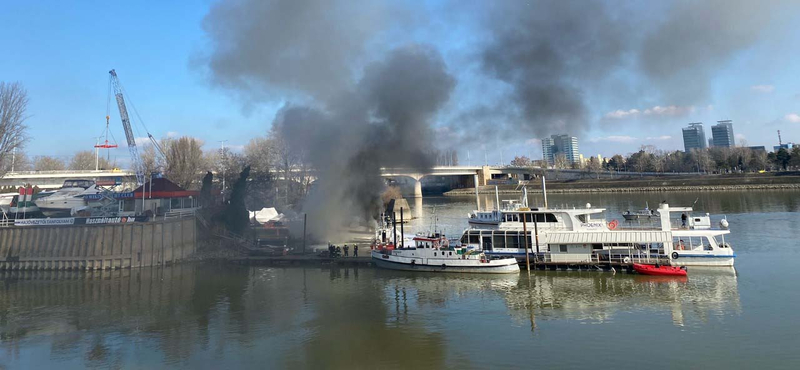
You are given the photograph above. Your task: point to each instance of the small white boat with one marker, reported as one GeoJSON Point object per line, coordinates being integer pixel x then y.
{"type": "Point", "coordinates": [5, 201]}
{"type": "Point", "coordinates": [67, 199]}
{"type": "Point", "coordinates": [434, 254]}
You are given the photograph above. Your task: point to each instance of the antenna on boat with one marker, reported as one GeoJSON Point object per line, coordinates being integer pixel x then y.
{"type": "Point", "coordinates": [496, 198]}
{"type": "Point", "coordinates": [544, 191]}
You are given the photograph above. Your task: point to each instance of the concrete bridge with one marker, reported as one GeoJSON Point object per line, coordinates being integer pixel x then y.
{"type": "Point", "coordinates": [54, 179]}
{"type": "Point", "coordinates": [481, 175]}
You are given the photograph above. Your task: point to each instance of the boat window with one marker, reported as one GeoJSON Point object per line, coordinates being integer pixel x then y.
{"type": "Point", "coordinates": [515, 217]}
{"type": "Point", "coordinates": [487, 242]}
{"type": "Point", "coordinates": [562, 248]}
{"type": "Point", "coordinates": [475, 237]}
{"type": "Point", "coordinates": [498, 240]}
{"type": "Point", "coordinates": [582, 218]}
{"type": "Point", "coordinates": [451, 253]}
{"type": "Point", "coordinates": [434, 254]}
{"type": "Point", "coordinates": [513, 240]}
{"type": "Point", "coordinates": [549, 217]}
{"type": "Point", "coordinates": [597, 246]}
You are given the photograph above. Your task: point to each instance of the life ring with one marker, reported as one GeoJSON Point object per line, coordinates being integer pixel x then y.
{"type": "Point", "coordinates": [443, 266]}
{"type": "Point", "coordinates": [613, 224]}
{"type": "Point", "coordinates": [675, 255]}
{"type": "Point", "coordinates": [436, 244]}
{"type": "Point", "coordinates": [626, 260]}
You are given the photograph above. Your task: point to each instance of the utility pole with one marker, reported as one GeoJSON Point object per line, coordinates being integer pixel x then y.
{"type": "Point", "coordinates": [97, 153]}
{"type": "Point", "coordinates": [222, 155]}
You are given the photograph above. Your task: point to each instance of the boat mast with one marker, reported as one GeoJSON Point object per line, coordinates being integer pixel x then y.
{"type": "Point", "coordinates": [544, 192]}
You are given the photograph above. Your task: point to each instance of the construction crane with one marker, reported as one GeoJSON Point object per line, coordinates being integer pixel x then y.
{"type": "Point", "coordinates": [136, 161]}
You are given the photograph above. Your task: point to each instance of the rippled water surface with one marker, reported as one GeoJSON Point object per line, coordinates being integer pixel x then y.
{"type": "Point", "coordinates": [223, 316]}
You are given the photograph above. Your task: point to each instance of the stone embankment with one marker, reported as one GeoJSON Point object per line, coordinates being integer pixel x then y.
{"type": "Point", "coordinates": [491, 189]}
{"type": "Point", "coordinates": [97, 247]}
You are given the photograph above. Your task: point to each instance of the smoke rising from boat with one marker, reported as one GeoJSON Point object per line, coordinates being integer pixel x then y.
{"type": "Point", "coordinates": [363, 86]}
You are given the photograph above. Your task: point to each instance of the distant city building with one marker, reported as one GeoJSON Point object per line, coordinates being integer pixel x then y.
{"type": "Point", "coordinates": [562, 144]}
{"type": "Point", "coordinates": [694, 137]}
{"type": "Point", "coordinates": [710, 142]}
{"type": "Point", "coordinates": [787, 146]}
{"type": "Point", "coordinates": [757, 148]}
{"type": "Point", "coordinates": [722, 134]}
{"type": "Point", "coordinates": [547, 150]}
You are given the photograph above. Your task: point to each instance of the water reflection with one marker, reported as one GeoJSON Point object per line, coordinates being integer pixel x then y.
{"type": "Point", "coordinates": [595, 297]}
{"type": "Point", "coordinates": [188, 314]}
{"type": "Point", "coordinates": [196, 315]}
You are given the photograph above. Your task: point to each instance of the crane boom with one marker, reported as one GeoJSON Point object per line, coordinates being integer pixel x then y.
{"type": "Point", "coordinates": [136, 161]}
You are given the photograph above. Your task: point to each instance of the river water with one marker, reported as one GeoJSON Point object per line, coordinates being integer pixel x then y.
{"type": "Point", "coordinates": [222, 316]}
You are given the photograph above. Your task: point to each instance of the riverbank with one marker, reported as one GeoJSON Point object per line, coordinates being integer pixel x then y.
{"type": "Point", "coordinates": [770, 181]}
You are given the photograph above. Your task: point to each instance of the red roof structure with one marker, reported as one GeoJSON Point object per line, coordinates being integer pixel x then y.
{"type": "Point", "coordinates": [163, 188]}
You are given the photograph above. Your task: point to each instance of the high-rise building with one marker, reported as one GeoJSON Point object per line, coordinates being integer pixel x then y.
{"type": "Point", "coordinates": [562, 144]}
{"type": "Point", "coordinates": [694, 137]}
{"type": "Point", "coordinates": [547, 150]}
{"type": "Point", "coordinates": [722, 133]}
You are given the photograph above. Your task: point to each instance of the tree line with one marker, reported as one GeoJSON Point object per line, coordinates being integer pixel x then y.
{"type": "Point", "coordinates": [709, 160]}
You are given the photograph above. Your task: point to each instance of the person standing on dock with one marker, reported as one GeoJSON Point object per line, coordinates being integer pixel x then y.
{"type": "Point", "coordinates": [355, 250]}
{"type": "Point", "coordinates": [338, 251]}
{"type": "Point", "coordinates": [346, 250]}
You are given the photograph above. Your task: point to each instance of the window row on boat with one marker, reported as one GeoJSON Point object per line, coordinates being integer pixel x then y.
{"type": "Point", "coordinates": [529, 217]}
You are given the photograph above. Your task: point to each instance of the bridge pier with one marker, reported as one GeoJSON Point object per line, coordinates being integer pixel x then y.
{"type": "Point", "coordinates": [417, 188]}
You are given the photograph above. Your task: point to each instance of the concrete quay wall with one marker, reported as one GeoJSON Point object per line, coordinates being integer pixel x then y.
{"type": "Point", "coordinates": [96, 247]}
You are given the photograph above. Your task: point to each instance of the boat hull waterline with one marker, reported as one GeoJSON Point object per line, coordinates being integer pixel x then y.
{"type": "Point", "coordinates": [503, 266]}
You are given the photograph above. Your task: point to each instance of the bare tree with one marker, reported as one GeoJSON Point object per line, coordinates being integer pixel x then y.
{"type": "Point", "coordinates": [48, 163]}
{"type": "Point", "coordinates": [85, 160]}
{"type": "Point", "coordinates": [16, 161]}
{"type": "Point", "coordinates": [594, 166]}
{"type": "Point", "coordinates": [152, 161]}
{"type": "Point", "coordinates": [258, 153]}
{"type": "Point", "coordinates": [225, 164]}
{"type": "Point", "coordinates": [13, 106]}
{"type": "Point", "coordinates": [185, 161]}
{"type": "Point", "coordinates": [522, 161]}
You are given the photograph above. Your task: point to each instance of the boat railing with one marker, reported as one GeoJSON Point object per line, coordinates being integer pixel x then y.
{"type": "Point", "coordinates": [617, 258]}
{"type": "Point", "coordinates": [5, 221]}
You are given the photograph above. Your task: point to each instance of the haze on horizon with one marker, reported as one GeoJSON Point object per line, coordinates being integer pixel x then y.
{"type": "Point", "coordinates": [616, 75]}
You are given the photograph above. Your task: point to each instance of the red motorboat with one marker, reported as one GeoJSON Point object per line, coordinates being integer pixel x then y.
{"type": "Point", "coordinates": [659, 270]}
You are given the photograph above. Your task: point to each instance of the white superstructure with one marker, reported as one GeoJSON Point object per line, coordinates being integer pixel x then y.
{"type": "Point", "coordinates": [67, 199]}
{"type": "Point", "coordinates": [583, 235]}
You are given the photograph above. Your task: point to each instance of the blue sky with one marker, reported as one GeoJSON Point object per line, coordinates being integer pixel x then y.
{"type": "Point", "coordinates": [62, 51]}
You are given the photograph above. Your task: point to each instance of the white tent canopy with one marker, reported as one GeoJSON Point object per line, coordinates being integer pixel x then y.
{"type": "Point", "coordinates": [265, 215]}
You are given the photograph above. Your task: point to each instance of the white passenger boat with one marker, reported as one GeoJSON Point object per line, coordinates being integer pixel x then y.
{"type": "Point", "coordinates": [5, 201]}
{"type": "Point", "coordinates": [434, 254]}
{"type": "Point", "coordinates": [583, 236]}
{"type": "Point", "coordinates": [67, 199]}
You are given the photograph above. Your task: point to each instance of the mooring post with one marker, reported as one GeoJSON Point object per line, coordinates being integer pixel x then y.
{"type": "Point", "coordinates": [536, 231]}
{"type": "Point", "coordinates": [402, 229]}
{"type": "Point", "coordinates": [525, 233]}
{"type": "Point", "coordinates": [394, 229]}
{"type": "Point", "coordinates": [305, 222]}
